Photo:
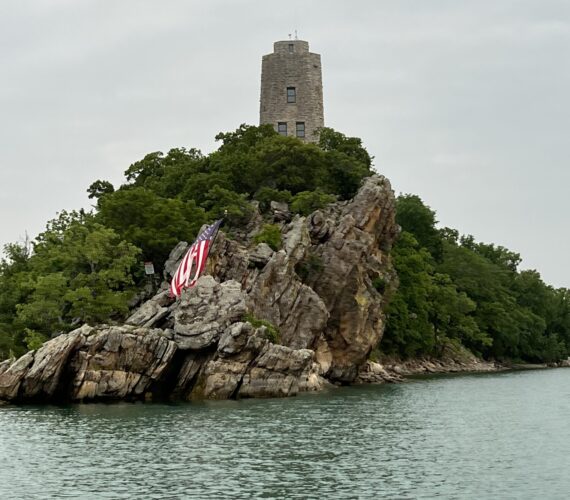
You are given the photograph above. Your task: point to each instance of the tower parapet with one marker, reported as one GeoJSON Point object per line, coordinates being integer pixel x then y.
{"type": "Point", "coordinates": [292, 90]}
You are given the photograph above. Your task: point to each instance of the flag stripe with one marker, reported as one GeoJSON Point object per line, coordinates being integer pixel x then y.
{"type": "Point", "coordinates": [194, 262]}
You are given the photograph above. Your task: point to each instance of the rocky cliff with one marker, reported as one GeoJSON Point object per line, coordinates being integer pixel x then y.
{"type": "Point", "coordinates": [260, 323]}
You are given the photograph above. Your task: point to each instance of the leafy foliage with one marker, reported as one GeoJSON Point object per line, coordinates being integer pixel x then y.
{"type": "Point", "coordinates": [168, 197]}
{"type": "Point", "coordinates": [453, 291]}
{"type": "Point", "coordinates": [152, 223]}
{"type": "Point", "coordinates": [419, 220]}
{"type": "Point", "coordinates": [85, 267]}
{"type": "Point", "coordinates": [307, 202]}
{"type": "Point", "coordinates": [80, 271]}
{"type": "Point", "coordinates": [99, 189]}
{"type": "Point", "coordinates": [272, 332]}
{"type": "Point", "coordinates": [270, 234]}
{"type": "Point", "coordinates": [266, 195]}
{"type": "Point", "coordinates": [453, 288]}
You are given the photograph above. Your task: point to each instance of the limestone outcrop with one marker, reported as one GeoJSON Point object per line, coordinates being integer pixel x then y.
{"type": "Point", "coordinates": [259, 323]}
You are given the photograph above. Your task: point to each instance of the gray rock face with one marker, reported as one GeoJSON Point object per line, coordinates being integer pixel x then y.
{"type": "Point", "coordinates": [261, 255]}
{"type": "Point", "coordinates": [280, 211]}
{"type": "Point", "coordinates": [171, 265]}
{"type": "Point", "coordinates": [4, 365]}
{"type": "Point", "coordinates": [354, 257]}
{"type": "Point", "coordinates": [12, 377]}
{"type": "Point", "coordinates": [106, 362]}
{"type": "Point", "coordinates": [319, 290]}
{"type": "Point", "coordinates": [279, 296]}
{"type": "Point", "coordinates": [248, 365]}
{"type": "Point", "coordinates": [277, 372]}
{"type": "Point", "coordinates": [152, 311]}
{"type": "Point", "coordinates": [202, 316]}
{"type": "Point", "coordinates": [119, 363]}
{"type": "Point", "coordinates": [322, 294]}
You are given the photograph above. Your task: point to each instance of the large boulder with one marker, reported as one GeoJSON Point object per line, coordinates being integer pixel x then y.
{"type": "Point", "coordinates": [357, 276]}
{"type": "Point", "coordinates": [37, 374]}
{"type": "Point", "coordinates": [204, 312]}
{"type": "Point", "coordinates": [248, 365]}
{"type": "Point", "coordinates": [120, 363]}
{"type": "Point", "coordinates": [106, 362]}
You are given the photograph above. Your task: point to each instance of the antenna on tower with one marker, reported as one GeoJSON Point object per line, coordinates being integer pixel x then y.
{"type": "Point", "coordinates": [289, 36]}
{"type": "Point", "coordinates": [296, 35]}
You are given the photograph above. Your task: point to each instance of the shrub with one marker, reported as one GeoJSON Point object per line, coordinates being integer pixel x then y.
{"type": "Point", "coordinates": [307, 202]}
{"type": "Point", "coordinates": [270, 234]}
{"type": "Point", "coordinates": [379, 284]}
{"type": "Point", "coordinates": [271, 331]}
{"type": "Point", "coordinates": [34, 340]}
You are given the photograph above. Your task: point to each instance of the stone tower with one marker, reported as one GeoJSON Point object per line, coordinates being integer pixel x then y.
{"type": "Point", "coordinates": [292, 90]}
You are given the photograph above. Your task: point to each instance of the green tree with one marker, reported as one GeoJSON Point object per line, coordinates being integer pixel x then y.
{"type": "Point", "coordinates": [427, 310]}
{"type": "Point", "coordinates": [451, 314]}
{"type": "Point", "coordinates": [331, 140]}
{"type": "Point", "coordinates": [266, 195]}
{"type": "Point", "coordinates": [166, 175]}
{"type": "Point", "coordinates": [409, 331]}
{"type": "Point", "coordinates": [222, 202]}
{"type": "Point", "coordinates": [14, 290]}
{"type": "Point", "coordinates": [100, 188]}
{"type": "Point", "coordinates": [80, 271]}
{"type": "Point", "coordinates": [150, 222]}
{"type": "Point", "coordinates": [43, 313]}
{"type": "Point", "coordinates": [307, 202]}
{"type": "Point", "coordinates": [417, 218]}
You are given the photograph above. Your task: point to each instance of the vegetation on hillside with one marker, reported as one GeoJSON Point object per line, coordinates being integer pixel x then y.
{"type": "Point", "coordinates": [86, 267]}
{"type": "Point", "coordinates": [453, 289]}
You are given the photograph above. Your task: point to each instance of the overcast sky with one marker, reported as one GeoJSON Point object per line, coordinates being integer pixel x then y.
{"type": "Point", "coordinates": [465, 103]}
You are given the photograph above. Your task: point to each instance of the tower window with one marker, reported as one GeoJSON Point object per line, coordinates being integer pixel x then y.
{"type": "Point", "coordinates": [300, 129]}
{"type": "Point", "coordinates": [291, 94]}
{"type": "Point", "coordinates": [291, 48]}
{"type": "Point", "coordinates": [282, 128]}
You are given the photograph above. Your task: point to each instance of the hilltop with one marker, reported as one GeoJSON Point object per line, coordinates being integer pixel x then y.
{"type": "Point", "coordinates": [317, 250]}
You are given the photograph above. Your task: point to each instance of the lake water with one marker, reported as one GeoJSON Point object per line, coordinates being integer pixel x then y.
{"type": "Point", "coordinates": [496, 436]}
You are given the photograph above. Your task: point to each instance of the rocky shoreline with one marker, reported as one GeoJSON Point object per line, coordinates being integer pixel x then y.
{"type": "Point", "coordinates": [262, 322]}
{"type": "Point", "coordinates": [395, 371]}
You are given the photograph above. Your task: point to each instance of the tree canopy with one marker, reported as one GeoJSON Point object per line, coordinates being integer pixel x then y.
{"type": "Point", "coordinates": [86, 267]}
{"type": "Point", "coordinates": [79, 271]}
{"type": "Point", "coordinates": [453, 288]}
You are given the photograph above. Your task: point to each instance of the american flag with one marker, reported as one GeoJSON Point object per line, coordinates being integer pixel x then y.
{"type": "Point", "coordinates": [194, 261]}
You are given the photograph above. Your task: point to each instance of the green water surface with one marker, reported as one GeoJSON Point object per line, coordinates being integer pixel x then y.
{"type": "Point", "coordinates": [497, 436]}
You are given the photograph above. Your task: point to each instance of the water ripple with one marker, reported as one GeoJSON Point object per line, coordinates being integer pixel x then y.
{"type": "Point", "coordinates": [492, 436]}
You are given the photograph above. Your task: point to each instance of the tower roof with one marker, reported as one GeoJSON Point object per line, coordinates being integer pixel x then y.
{"type": "Point", "coordinates": [291, 46]}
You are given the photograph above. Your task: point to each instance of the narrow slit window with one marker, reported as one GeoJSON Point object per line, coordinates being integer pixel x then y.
{"type": "Point", "coordinates": [291, 48]}
{"type": "Point", "coordinates": [300, 129]}
{"type": "Point", "coordinates": [291, 94]}
{"type": "Point", "coordinates": [282, 128]}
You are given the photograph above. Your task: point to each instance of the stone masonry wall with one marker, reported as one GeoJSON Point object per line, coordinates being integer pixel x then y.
{"type": "Point", "coordinates": [300, 69]}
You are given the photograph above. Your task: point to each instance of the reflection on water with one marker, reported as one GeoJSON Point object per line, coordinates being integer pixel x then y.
{"type": "Point", "coordinates": [493, 436]}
